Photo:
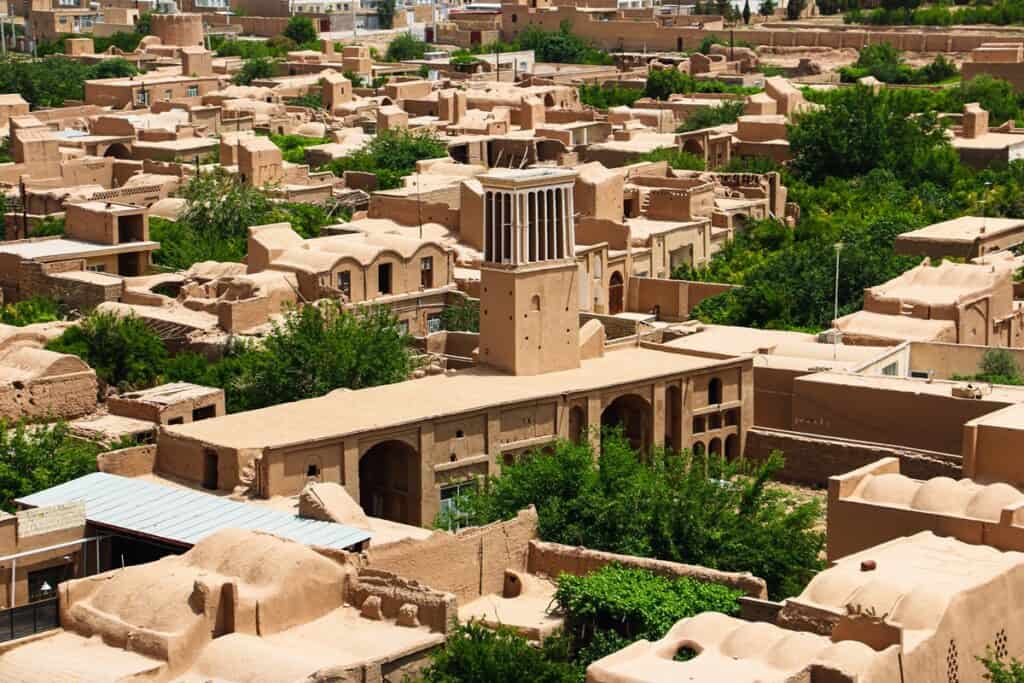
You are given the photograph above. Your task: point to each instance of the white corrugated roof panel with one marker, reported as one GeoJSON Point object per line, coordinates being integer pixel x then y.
{"type": "Point", "coordinates": [184, 516]}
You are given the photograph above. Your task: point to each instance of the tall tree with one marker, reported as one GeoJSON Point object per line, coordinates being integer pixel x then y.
{"type": "Point", "coordinates": [746, 12]}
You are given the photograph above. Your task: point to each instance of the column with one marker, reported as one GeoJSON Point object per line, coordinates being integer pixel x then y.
{"type": "Point", "coordinates": [571, 225]}
{"type": "Point", "coordinates": [542, 239]}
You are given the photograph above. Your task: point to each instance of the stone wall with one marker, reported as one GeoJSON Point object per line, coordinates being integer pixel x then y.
{"type": "Point", "coordinates": [128, 462]}
{"type": "Point", "coordinates": [34, 279]}
{"type": "Point", "coordinates": [64, 396]}
{"type": "Point", "coordinates": [553, 559]}
{"type": "Point", "coordinates": [812, 459]}
{"type": "Point", "coordinates": [468, 564]}
{"type": "Point", "coordinates": [434, 609]}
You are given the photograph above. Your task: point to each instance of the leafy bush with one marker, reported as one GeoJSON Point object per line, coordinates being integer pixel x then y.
{"type": "Point", "coordinates": [36, 457]}
{"type": "Point", "coordinates": [561, 47]}
{"type": "Point", "coordinates": [885, 63]}
{"type": "Point", "coordinates": [665, 82]}
{"type": "Point", "coordinates": [254, 70]}
{"type": "Point", "coordinates": [30, 311]}
{"type": "Point", "coordinates": [477, 654]}
{"type": "Point", "coordinates": [310, 100]}
{"type": "Point", "coordinates": [1001, 670]}
{"type": "Point", "coordinates": [405, 47]}
{"type": "Point", "coordinates": [116, 67]}
{"type": "Point", "coordinates": [706, 117]}
{"type": "Point", "coordinates": [998, 12]}
{"type": "Point", "coordinates": [293, 147]}
{"type": "Point", "coordinates": [997, 366]}
{"type": "Point", "coordinates": [301, 30]}
{"type": "Point", "coordinates": [617, 605]}
{"type": "Point", "coordinates": [392, 155]}
{"type": "Point", "coordinates": [47, 82]}
{"type": "Point", "coordinates": [602, 97]}
{"type": "Point", "coordinates": [386, 13]}
{"type": "Point", "coordinates": [668, 506]}
{"type": "Point", "coordinates": [124, 352]}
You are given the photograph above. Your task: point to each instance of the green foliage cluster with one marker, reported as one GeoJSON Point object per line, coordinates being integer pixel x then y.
{"type": "Point", "coordinates": [215, 226]}
{"type": "Point", "coordinates": [310, 100]}
{"type": "Point", "coordinates": [300, 30]}
{"type": "Point", "coordinates": [665, 82]}
{"type": "Point", "coordinates": [386, 13]}
{"type": "Point", "coordinates": [38, 309]}
{"type": "Point", "coordinates": [316, 349]}
{"type": "Point", "coordinates": [997, 12]}
{"type": "Point", "coordinates": [254, 69]}
{"type": "Point", "coordinates": [676, 158]}
{"type": "Point", "coordinates": [997, 366]}
{"type": "Point", "coordinates": [51, 81]}
{"type": "Point", "coordinates": [250, 49]}
{"type": "Point", "coordinates": [700, 509]}
{"type": "Point", "coordinates": [618, 605]}
{"type": "Point", "coordinates": [126, 42]}
{"type": "Point", "coordinates": [5, 153]}
{"type": "Point", "coordinates": [885, 63]}
{"type": "Point", "coordinates": [1000, 670]}
{"type": "Point", "coordinates": [392, 155]}
{"type": "Point", "coordinates": [477, 654]}
{"type": "Point", "coordinates": [601, 97]}
{"type": "Point", "coordinates": [36, 457]}
{"type": "Point", "coordinates": [706, 117]}
{"type": "Point", "coordinates": [123, 351]}
{"type": "Point", "coordinates": [561, 46]}
{"type": "Point", "coordinates": [462, 315]}
{"type": "Point", "coordinates": [48, 227]}
{"type": "Point", "coordinates": [293, 147]}
{"type": "Point", "coordinates": [405, 47]}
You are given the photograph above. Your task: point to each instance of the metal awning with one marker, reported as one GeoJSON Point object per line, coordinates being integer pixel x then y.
{"type": "Point", "coordinates": [183, 516]}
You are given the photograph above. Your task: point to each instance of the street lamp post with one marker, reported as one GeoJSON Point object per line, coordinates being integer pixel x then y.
{"type": "Point", "coordinates": [835, 316]}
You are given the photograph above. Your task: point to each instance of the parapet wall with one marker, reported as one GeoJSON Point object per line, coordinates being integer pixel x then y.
{"type": "Point", "coordinates": [468, 564]}
{"type": "Point", "coordinates": [128, 462]}
{"type": "Point", "coordinates": [65, 396]}
{"type": "Point", "coordinates": [554, 559]}
{"type": "Point", "coordinates": [812, 459]}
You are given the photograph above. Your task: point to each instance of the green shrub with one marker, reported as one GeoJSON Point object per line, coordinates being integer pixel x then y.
{"type": "Point", "coordinates": [405, 47]}
{"type": "Point", "coordinates": [123, 351]}
{"type": "Point", "coordinates": [706, 117]}
{"type": "Point", "coordinates": [602, 97]}
{"type": "Point", "coordinates": [253, 70]}
{"type": "Point", "coordinates": [676, 158]}
{"type": "Point", "coordinates": [615, 606]}
{"type": "Point", "coordinates": [293, 147]}
{"type": "Point", "coordinates": [1001, 669]}
{"type": "Point", "coordinates": [391, 155]}
{"type": "Point", "coordinates": [301, 30]}
{"type": "Point", "coordinates": [30, 311]}
{"type": "Point", "coordinates": [461, 315]}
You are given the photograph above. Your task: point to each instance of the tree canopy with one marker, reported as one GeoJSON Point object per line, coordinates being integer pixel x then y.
{"type": "Point", "coordinates": [391, 155]}
{"type": "Point", "coordinates": [301, 30]}
{"type": "Point", "coordinates": [36, 457]}
{"type": "Point", "coordinates": [124, 351]}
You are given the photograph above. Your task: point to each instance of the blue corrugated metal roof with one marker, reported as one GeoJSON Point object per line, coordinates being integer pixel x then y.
{"type": "Point", "coordinates": [181, 515]}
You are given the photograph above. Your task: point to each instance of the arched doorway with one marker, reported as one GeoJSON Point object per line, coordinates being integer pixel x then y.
{"type": "Point", "coordinates": [673, 418]}
{"type": "Point", "coordinates": [694, 147]}
{"type": "Point", "coordinates": [577, 425]}
{"type": "Point", "coordinates": [389, 482]}
{"type": "Point", "coordinates": [633, 414]}
{"type": "Point", "coordinates": [615, 287]}
{"type": "Point", "coordinates": [118, 151]}
{"type": "Point", "coordinates": [732, 446]}
{"type": "Point", "coordinates": [715, 447]}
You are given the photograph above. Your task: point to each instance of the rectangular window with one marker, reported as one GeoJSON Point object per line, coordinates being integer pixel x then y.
{"type": "Point", "coordinates": [433, 323]}
{"type": "Point", "coordinates": [427, 272]}
{"type": "Point", "coordinates": [98, 268]}
{"type": "Point", "coordinates": [403, 327]}
{"type": "Point", "coordinates": [454, 518]}
{"type": "Point", "coordinates": [168, 94]}
{"type": "Point", "coordinates": [142, 97]}
{"type": "Point", "coordinates": [892, 369]}
{"type": "Point", "coordinates": [193, 91]}
{"type": "Point", "coordinates": [345, 283]}
{"type": "Point", "coordinates": [384, 278]}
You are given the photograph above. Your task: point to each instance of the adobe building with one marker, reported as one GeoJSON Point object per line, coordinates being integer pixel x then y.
{"type": "Point", "coordinates": [951, 302]}
{"type": "Point", "coordinates": [999, 60]}
{"type": "Point", "coordinates": [398, 449]}
{"type": "Point", "coordinates": [175, 403]}
{"type": "Point", "coordinates": [979, 145]}
{"type": "Point", "coordinates": [37, 384]}
{"type": "Point", "coordinates": [875, 503]}
{"type": "Point", "coordinates": [967, 237]}
{"type": "Point", "coordinates": [182, 30]}
{"type": "Point", "coordinates": [142, 91]}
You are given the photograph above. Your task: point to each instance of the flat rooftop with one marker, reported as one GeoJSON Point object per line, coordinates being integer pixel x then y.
{"type": "Point", "coordinates": [1000, 393]}
{"type": "Point", "coordinates": [62, 247]}
{"type": "Point", "coordinates": [171, 393]}
{"type": "Point", "coordinates": [410, 402]}
{"type": "Point", "coordinates": [183, 516]}
{"type": "Point", "coordinates": [964, 229]}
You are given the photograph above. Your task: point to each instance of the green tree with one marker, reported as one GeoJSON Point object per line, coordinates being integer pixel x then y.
{"type": "Point", "coordinates": [44, 83]}
{"type": "Point", "coordinates": [461, 315]}
{"type": "Point", "coordinates": [746, 11]}
{"type": "Point", "coordinates": [766, 8]}
{"type": "Point", "coordinates": [603, 97]}
{"type": "Point", "coordinates": [116, 67]}
{"type": "Point", "coordinates": [123, 351]}
{"type": "Point", "coordinates": [36, 457]}
{"type": "Point", "coordinates": [794, 8]}
{"type": "Point", "coordinates": [254, 69]}
{"type": "Point", "coordinates": [316, 349]}
{"type": "Point", "coordinates": [674, 507]}
{"type": "Point", "coordinates": [676, 158]}
{"type": "Point", "coordinates": [386, 13]}
{"type": "Point", "coordinates": [301, 30]}
{"type": "Point", "coordinates": [706, 117]}
{"type": "Point", "coordinates": [144, 26]}
{"type": "Point", "coordinates": [405, 47]}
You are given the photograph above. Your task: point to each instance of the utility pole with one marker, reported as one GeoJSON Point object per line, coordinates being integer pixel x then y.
{"type": "Point", "coordinates": [835, 330]}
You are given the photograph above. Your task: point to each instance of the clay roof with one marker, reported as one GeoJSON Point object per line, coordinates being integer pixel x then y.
{"type": "Point", "coordinates": [25, 362]}
{"type": "Point", "coordinates": [1000, 393]}
{"type": "Point", "coordinates": [914, 580]}
{"type": "Point", "coordinates": [896, 327]}
{"type": "Point", "coordinates": [964, 229]}
{"type": "Point", "coordinates": [171, 393]}
{"type": "Point", "coordinates": [730, 649]}
{"type": "Point", "coordinates": [944, 284]}
{"type": "Point", "coordinates": [942, 495]}
{"type": "Point", "coordinates": [413, 402]}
